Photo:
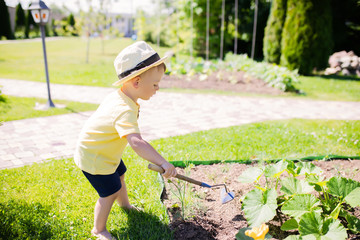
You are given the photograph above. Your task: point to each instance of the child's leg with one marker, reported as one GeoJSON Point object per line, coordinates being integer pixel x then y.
{"type": "Point", "coordinates": [101, 212]}
{"type": "Point", "coordinates": [122, 198]}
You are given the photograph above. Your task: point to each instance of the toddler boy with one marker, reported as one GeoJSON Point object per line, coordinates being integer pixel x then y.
{"type": "Point", "coordinates": [114, 124]}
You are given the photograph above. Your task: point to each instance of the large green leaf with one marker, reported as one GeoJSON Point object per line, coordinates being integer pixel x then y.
{"type": "Point", "coordinates": [335, 213]}
{"type": "Point", "coordinates": [312, 226]}
{"type": "Point", "coordinates": [341, 187]}
{"type": "Point", "coordinates": [251, 175]}
{"type": "Point", "coordinates": [241, 234]}
{"type": "Point", "coordinates": [300, 204]}
{"type": "Point", "coordinates": [353, 223]}
{"type": "Point", "coordinates": [291, 186]}
{"type": "Point", "coordinates": [316, 179]}
{"type": "Point", "coordinates": [353, 198]}
{"type": "Point", "coordinates": [275, 170]}
{"type": "Point", "coordinates": [307, 168]}
{"type": "Point", "coordinates": [260, 207]}
{"type": "Point", "coordinates": [290, 224]}
{"type": "Point", "coordinates": [291, 168]}
{"type": "Point", "coordinates": [334, 230]}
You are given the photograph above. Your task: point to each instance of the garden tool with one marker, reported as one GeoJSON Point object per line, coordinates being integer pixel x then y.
{"type": "Point", "coordinates": [226, 196]}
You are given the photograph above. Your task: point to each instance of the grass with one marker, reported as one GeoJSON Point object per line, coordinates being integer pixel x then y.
{"type": "Point", "coordinates": [266, 141]}
{"type": "Point", "coordinates": [331, 88]}
{"type": "Point", "coordinates": [15, 108]}
{"type": "Point", "coordinates": [66, 61]}
{"type": "Point", "coordinates": [53, 200]}
{"type": "Point", "coordinates": [67, 65]}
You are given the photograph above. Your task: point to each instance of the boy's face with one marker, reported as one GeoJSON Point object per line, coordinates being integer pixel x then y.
{"type": "Point", "coordinates": [149, 82]}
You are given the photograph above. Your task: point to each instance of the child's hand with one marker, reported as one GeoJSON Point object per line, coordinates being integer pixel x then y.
{"type": "Point", "coordinates": [170, 170]}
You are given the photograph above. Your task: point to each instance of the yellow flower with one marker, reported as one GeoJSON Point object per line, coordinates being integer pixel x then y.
{"type": "Point", "coordinates": [258, 233]}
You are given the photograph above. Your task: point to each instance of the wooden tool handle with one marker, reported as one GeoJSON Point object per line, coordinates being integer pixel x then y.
{"type": "Point", "coordinates": [156, 168]}
{"type": "Point", "coordinates": [159, 169]}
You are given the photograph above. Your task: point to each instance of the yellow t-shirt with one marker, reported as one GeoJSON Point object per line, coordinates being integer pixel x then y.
{"type": "Point", "coordinates": [103, 138]}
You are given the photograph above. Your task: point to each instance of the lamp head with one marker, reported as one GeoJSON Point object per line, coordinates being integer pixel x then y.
{"type": "Point", "coordinates": [40, 12]}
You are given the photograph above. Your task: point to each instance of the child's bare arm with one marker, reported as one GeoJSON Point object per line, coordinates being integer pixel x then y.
{"type": "Point", "coordinates": [146, 151]}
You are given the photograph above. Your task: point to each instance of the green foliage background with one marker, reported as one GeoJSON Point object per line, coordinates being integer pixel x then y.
{"type": "Point", "coordinates": [178, 24]}
{"type": "Point", "coordinates": [312, 32]}
{"type": "Point", "coordinates": [19, 17]}
{"type": "Point", "coordinates": [5, 27]}
{"type": "Point", "coordinates": [273, 31]}
{"type": "Point", "coordinates": [306, 37]}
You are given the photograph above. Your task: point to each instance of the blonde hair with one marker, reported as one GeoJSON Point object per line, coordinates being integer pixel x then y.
{"type": "Point", "coordinates": [159, 67]}
{"type": "Point", "coordinates": [163, 66]}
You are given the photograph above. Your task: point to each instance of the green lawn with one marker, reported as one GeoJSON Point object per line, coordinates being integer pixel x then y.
{"type": "Point", "coordinates": [53, 200]}
{"type": "Point", "coordinates": [67, 65]}
{"type": "Point", "coordinates": [331, 88]}
{"type": "Point", "coordinates": [15, 108]}
{"type": "Point", "coordinates": [290, 139]}
{"type": "Point", "coordinates": [66, 61]}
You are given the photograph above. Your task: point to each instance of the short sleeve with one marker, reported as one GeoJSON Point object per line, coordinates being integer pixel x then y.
{"type": "Point", "coordinates": [127, 123]}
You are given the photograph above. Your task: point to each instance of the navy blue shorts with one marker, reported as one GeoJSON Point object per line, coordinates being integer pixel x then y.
{"type": "Point", "coordinates": [107, 185]}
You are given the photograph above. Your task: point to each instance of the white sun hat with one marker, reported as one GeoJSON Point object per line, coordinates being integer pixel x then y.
{"type": "Point", "coordinates": [134, 60]}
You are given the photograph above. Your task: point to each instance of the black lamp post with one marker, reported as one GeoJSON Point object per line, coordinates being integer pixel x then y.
{"type": "Point", "coordinates": [41, 14]}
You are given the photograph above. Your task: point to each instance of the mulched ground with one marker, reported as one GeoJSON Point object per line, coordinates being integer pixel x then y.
{"type": "Point", "coordinates": [224, 81]}
{"type": "Point", "coordinates": [213, 220]}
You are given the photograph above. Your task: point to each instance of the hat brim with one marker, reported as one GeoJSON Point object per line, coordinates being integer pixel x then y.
{"type": "Point", "coordinates": [138, 72]}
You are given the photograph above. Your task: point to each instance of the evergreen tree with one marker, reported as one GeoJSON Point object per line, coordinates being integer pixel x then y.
{"type": "Point", "coordinates": [5, 27]}
{"type": "Point", "coordinates": [19, 17]}
{"type": "Point", "coordinates": [71, 20]}
{"type": "Point", "coordinates": [307, 35]}
{"type": "Point", "coordinates": [273, 31]}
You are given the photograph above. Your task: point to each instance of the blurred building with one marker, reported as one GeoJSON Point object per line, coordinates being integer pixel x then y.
{"type": "Point", "coordinates": [12, 13]}
{"type": "Point", "coordinates": [123, 22]}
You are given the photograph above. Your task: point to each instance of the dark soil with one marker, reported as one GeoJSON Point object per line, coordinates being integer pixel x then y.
{"type": "Point", "coordinates": [223, 81]}
{"type": "Point", "coordinates": [210, 219]}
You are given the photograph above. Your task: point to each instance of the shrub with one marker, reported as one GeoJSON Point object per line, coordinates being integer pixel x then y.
{"type": "Point", "coordinates": [2, 98]}
{"type": "Point", "coordinates": [19, 17]}
{"type": "Point", "coordinates": [273, 30]}
{"type": "Point", "coordinates": [306, 37]}
{"type": "Point", "coordinates": [276, 76]}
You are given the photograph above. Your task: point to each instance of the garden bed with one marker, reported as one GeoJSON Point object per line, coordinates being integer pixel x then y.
{"type": "Point", "coordinates": [224, 81]}
{"type": "Point", "coordinates": [209, 219]}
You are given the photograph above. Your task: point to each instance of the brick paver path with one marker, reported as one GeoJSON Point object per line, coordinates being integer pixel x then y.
{"type": "Point", "coordinates": [166, 114]}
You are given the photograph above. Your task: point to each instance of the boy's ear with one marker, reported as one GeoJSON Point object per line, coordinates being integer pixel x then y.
{"type": "Point", "coordinates": [135, 81]}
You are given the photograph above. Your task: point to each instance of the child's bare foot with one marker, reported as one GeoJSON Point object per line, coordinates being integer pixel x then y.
{"type": "Point", "coordinates": [131, 207]}
{"type": "Point", "coordinates": [104, 235]}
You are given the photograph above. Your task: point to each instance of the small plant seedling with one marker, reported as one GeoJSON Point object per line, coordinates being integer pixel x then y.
{"type": "Point", "coordinates": [181, 190]}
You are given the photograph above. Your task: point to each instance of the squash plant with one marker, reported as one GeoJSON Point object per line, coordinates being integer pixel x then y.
{"type": "Point", "coordinates": [303, 200]}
